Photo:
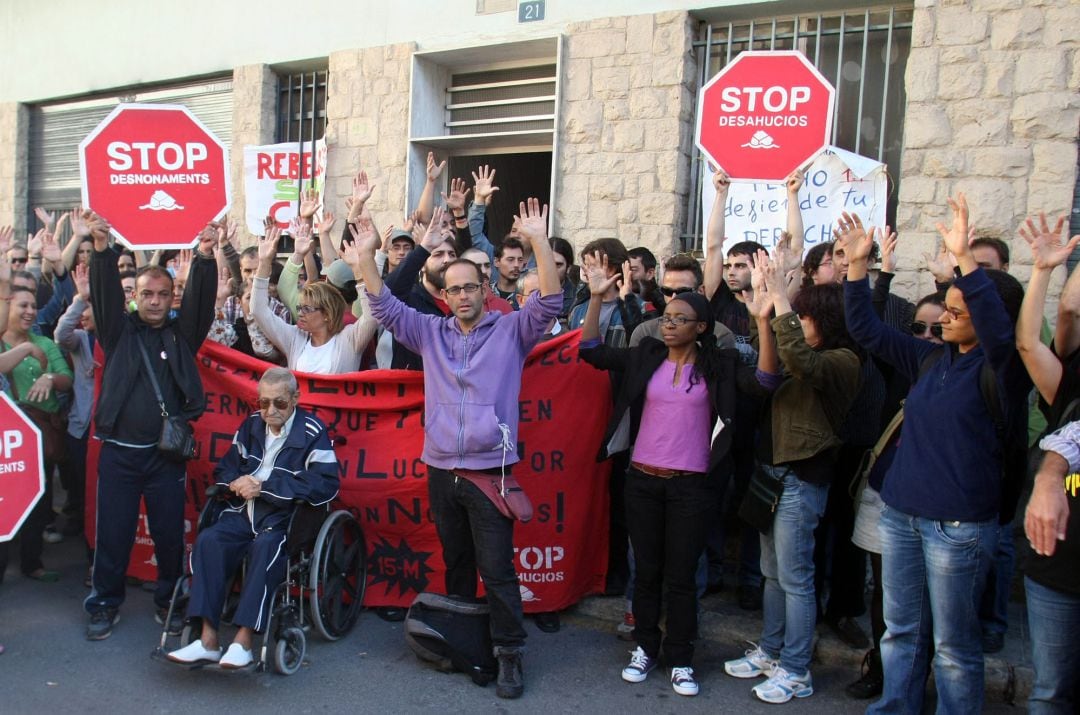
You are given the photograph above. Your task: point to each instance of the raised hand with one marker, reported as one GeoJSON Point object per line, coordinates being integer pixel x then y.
{"type": "Point", "coordinates": [888, 251]}
{"type": "Point", "coordinates": [34, 241]}
{"type": "Point", "coordinates": [361, 187]}
{"type": "Point", "coordinates": [626, 285]}
{"type": "Point", "coordinates": [269, 242]}
{"type": "Point", "coordinates": [853, 238]}
{"type": "Point", "coordinates": [791, 259]}
{"type": "Point", "coordinates": [6, 234]}
{"type": "Point", "coordinates": [50, 249]}
{"type": "Point", "coordinates": [956, 236]}
{"type": "Point", "coordinates": [224, 285]}
{"type": "Point", "coordinates": [757, 299]}
{"type": "Point", "coordinates": [365, 242]}
{"type": "Point", "coordinates": [794, 182]}
{"type": "Point", "coordinates": [455, 200]}
{"type": "Point", "coordinates": [531, 221]}
{"type": "Point", "coordinates": [81, 276]}
{"type": "Point", "coordinates": [941, 264]}
{"type": "Point", "coordinates": [301, 233]}
{"type": "Point", "coordinates": [387, 232]}
{"type": "Point", "coordinates": [434, 171]}
{"type": "Point", "coordinates": [326, 223]}
{"type": "Point", "coordinates": [226, 232]}
{"type": "Point", "coordinates": [484, 184]}
{"type": "Point", "coordinates": [309, 203]}
{"type": "Point", "coordinates": [183, 262]}
{"type": "Point", "coordinates": [208, 241]}
{"type": "Point", "coordinates": [721, 183]}
{"type": "Point", "coordinates": [599, 280]}
{"type": "Point", "coordinates": [268, 223]}
{"type": "Point", "coordinates": [1046, 244]}
{"type": "Point", "coordinates": [433, 237]}
{"type": "Point", "coordinates": [80, 226]}
{"type": "Point", "coordinates": [47, 219]}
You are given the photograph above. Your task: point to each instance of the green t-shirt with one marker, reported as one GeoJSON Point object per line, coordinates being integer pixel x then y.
{"type": "Point", "coordinates": [29, 370]}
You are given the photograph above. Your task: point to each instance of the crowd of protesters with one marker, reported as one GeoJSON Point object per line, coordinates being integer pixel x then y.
{"type": "Point", "coordinates": [789, 401]}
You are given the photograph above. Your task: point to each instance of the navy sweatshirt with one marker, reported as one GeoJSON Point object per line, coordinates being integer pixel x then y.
{"type": "Point", "coordinates": [948, 463]}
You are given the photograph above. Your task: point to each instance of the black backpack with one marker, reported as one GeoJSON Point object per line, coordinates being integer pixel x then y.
{"type": "Point", "coordinates": [1011, 436]}
{"type": "Point", "coordinates": [453, 634]}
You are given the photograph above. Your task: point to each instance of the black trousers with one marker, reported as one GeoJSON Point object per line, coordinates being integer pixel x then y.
{"type": "Point", "coordinates": [668, 520]}
{"type": "Point", "coordinates": [124, 475]}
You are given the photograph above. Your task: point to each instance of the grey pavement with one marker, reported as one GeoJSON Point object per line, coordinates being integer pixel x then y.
{"type": "Point", "coordinates": [50, 667]}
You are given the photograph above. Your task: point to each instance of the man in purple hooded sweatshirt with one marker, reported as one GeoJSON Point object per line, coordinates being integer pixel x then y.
{"type": "Point", "coordinates": [472, 376]}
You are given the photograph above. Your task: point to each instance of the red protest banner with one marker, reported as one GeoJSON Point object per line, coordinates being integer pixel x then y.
{"type": "Point", "coordinates": [376, 421]}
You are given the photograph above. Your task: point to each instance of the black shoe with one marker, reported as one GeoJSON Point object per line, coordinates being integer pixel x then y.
{"type": "Point", "coordinates": [750, 598]}
{"type": "Point", "coordinates": [871, 683]}
{"type": "Point", "coordinates": [176, 623]}
{"type": "Point", "coordinates": [101, 624]}
{"type": "Point", "coordinates": [849, 631]}
{"type": "Point", "coordinates": [510, 683]}
{"type": "Point", "coordinates": [993, 642]}
{"type": "Point", "coordinates": [390, 613]}
{"type": "Point", "coordinates": [714, 587]}
{"type": "Point", "coordinates": [547, 622]}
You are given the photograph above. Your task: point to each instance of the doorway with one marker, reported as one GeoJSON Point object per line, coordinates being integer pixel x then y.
{"type": "Point", "coordinates": [518, 176]}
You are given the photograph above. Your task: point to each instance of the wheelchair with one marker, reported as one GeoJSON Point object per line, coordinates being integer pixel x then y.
{"type": "Point", "coordinates": [323, 588]}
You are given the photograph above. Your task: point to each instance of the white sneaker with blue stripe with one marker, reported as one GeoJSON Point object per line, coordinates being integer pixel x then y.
{"type": "Point", "coordinates": [782, 686]}
{"type": "Point", "coordinates": [755, 663]}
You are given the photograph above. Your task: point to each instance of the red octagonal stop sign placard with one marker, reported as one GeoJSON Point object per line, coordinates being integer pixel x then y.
{"type": "Point", "coordinates": [765, 115]}
{"type": "Point", "coordinates": [156, 174]}
{"type": "Point", "coordinates": [22, 474]}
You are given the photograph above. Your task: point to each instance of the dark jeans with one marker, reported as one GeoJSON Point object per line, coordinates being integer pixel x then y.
{"type": "Point", "coordinates": [476, 536]}
{"type": "Point", "coordinates": [31, 543]}
{"type": "Point", "coordinates": [618, 573]}
{"type": "Point", "coordinates": [124, 475]}
{"type": "Point", "coordinates": [836, 560]}
{"type": "Point", "coordinates": [668, 520]}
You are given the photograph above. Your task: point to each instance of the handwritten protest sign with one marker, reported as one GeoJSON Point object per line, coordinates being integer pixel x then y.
{"type": "Point", "coordinates": [836, 181]}
{"type": "Point", "coordinates": [274, 176]}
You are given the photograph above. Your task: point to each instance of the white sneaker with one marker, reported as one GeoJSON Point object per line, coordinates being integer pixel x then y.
{"type": "Point", "coordinates": [640, 666]}
{"type": "Point", "coordinates": [756, 662]}
{"type": "Point", "coordinates": [682, 681]}
{"type": "Point", "coordinates": [237, 656]}
{"type": "Point", "coordinates": [783, 686]}
{"type": "Point", "coordinates": [195, 652]}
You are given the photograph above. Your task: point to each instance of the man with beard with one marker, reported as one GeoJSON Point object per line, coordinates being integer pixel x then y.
{"type": "Point", "coordinates": [428, 261]}
{"type": "Point", "coordinates": [509, 262]}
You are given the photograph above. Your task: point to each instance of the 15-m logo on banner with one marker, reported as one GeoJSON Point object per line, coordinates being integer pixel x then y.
{"type": "Point", "coordinates": [399, 566]}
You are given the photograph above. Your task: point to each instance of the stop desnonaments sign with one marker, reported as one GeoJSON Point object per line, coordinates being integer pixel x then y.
{"type": "Point", "coordinates": [156, 174]}
{"type": "Point", "coordinates": [22, 473]}
{"type": "Point", "coordinates": [766, 114]}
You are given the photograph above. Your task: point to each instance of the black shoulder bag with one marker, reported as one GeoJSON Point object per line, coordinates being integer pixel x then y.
{"type": "Point", "coordinates": [177, 440]}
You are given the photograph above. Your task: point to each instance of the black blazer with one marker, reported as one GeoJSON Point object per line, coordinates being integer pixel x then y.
{"type": "Point", "coordinates": [636, 366]}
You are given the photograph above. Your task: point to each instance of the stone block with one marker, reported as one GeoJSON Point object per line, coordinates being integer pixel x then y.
{"type": "Point", "coordinates": [1052, 197]}
{"type": "Point", "coordinates": [656, 208]}
{"type": "Point", "coordinates": [641, 75]}
{"type": "Point", "coordinates": [610, 82]}
{"type": "Point", "coordinates": [922, 27]}
{"type": "Point", "coordinates": [639, 33]}
{"type": "Point", "coordinates": [596, 43]}
{"type": "Point", "coordinates": [992, 202]}
{"type": "Point", "coordinates": [664, 135]}
{"type": "Point", "coordinates": [603, 214]}
{"type": "Point", "coordinates": [960, 26]}
{"type": "Point", "coordinates": [372, 61]}
{"type": "Point", "coordinates": [628, 136]}
{"type": "Point", "coordinates": [578, 80]}
{"type": "Point", "coordinates": [1003, 161]}
{"type": "Point", "coordinates": [921, 75]}
{"type": "Point", "coordinates": [1040, 70]}
{"type": "Point", "coordinates": [1000, 73]}
{"type": "Point", "coordinates": [616, 110]}
{"type": "Point", "coordinates": [995, 5]}
{"type": "Point", "coordinates": [343, 60]}
{"type": "Point", "coordinates": [605, 187]}
{"type": "Point", "coordinates": [627, 211]}
{"type": "Point", "coordinates": [583, 121]}
{"type": "Point", "coordinates": [918, 190]}
{"type": "Point", "coordinates": [943, 164]}
{"type": "Point", "coordinates": [338, 106]}
{"type": "Point", "coordinates": [1061, 26]}
{"type": "Point", "coordinates": [979, 122]}
{"type": "Point", "coordinates": [669, 171]}
{"type": "Point", "coordinates": [668, 69]}
{"type": "Point", "coordinates": [1017, 29]}
{"type": "Point", "coordinates": [1046, 115]}
{"type": "Point", "coordinates": [926, 125]}
{"type": "Point", "coordinates": [911, 160]}
{"type": "Point", "coordinates": [362, 132]}
{"type": "Point", "coordinates": [960, 80]}
{"type": "Point", "coordinates": [651, 103]}
{"type": "Point", "coordinates": [1054, 162]}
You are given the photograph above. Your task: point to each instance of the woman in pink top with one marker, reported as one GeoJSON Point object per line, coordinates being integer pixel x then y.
{"type": "Point", "coordinates": [680, 393]}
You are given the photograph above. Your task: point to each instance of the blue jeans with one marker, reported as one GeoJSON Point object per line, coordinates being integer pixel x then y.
{"type": "Point", "coordinates": [994, 608]}
{"type": "Point", "coordinates": [787, 563]}
{"type": "Point", "coordinates": [933, 575]}
{"type": "Point", "coordinates": [1054, 622]}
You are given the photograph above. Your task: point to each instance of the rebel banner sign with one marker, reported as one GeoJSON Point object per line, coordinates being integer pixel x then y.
{"type": "Point", "coordinates": [375, 419]}
{"type": "Point", "coordinates": [274, 177]}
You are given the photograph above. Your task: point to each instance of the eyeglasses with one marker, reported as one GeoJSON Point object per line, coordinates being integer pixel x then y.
{"type": "Point", "coordinates": [669, 292]}
{"type": "Point", "coordinates": [918, 327]}
{"type": "Point", "coordinates": [18, 261]}
{"type": "Point", "coordinates": [307, 309]}
{"type": "Point", "coordinates": [279, 403]}
{"type": "Point", "coordinates": [676, 322]}
{"type": "Point", "coordinates": [956, 313]}
{"type": "Point", "coordinates": [468, 288]}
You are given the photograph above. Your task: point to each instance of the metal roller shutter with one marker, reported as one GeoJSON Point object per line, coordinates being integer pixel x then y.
{"type": "Point", "coordinates": [56, 130]}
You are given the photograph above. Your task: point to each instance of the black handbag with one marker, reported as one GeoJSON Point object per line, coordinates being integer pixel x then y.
{"type": "Point", "coordinates": [177, 440]}
{"type": "Point", "coordinates": [758, 508]}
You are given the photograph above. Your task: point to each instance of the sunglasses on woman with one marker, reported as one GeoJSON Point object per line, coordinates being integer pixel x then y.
{"type": "Point", "coordinates": [919, 328]}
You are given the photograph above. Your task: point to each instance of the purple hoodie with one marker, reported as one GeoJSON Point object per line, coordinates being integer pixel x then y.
{"type": "Point", "coordinates": [471, 382]}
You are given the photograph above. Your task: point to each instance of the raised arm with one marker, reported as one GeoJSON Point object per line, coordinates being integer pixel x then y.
{"type": "Point", "coordinates": [1067, 333]}
{"type": "Point", "coordinates": [427, 198]}
{"type": "Point", "coordinates": [1048, 253]}
{"type": "Point", "coordinates": [714, 235]}
{"type": "Point", "coordinates": [106, 293]}
{"type": "Point", "coordinates": [531, 223]}
{"type": "Point", "coordinates": [793, 184]}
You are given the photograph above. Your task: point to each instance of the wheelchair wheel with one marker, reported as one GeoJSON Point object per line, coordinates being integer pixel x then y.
{"type": "Point", "coordinates": [289, 650]}
{"type": "Point", "coordinates": [338, 576]}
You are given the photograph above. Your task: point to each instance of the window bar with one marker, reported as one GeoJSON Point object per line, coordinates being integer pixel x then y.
{"type": "Point", "coordinates": [885, 89]}
{"type": "Point", "coordinates": [862, 82]}
{"type": "Point", "coordinates": [750, 40]}
{"type": "Point", "coordinates": [300, 140]}
{"type": "Point", "coordinates": [772, 40]}
{"type": "Point", "coordinates": [839, 77]}
{"type": "Point", "coordinates": [287, 136]}
{"type": "Point", "coordinates": [796, 34]}
{"type": "Point", "coordinates": [817, 43]}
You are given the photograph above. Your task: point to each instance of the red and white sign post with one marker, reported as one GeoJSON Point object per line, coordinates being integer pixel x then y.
{"type": "Point", "coordinates": [22, 472]}
{"type": "Point", "coordinates": [764, 115]}
{"type": "Point", "coordinates": [156, 174]}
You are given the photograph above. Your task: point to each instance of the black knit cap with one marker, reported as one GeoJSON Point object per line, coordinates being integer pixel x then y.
{"type": "Point", "coordinates": [700, 305]}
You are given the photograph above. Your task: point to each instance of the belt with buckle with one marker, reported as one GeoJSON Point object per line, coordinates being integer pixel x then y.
{"type": "Point", "coordinates": [661, 472]}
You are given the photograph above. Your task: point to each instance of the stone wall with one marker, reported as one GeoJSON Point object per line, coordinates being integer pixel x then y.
{"type": "Point", "coordinates": [367, 111]}
{"type": "Point", "coordinates": [14, 163]}
{"type": "Point", "coordinates": [254, 123]}
{"type": "Point", "coordinates": [993, 90]}
{"type": "Point", "coordinates": [625, 130]}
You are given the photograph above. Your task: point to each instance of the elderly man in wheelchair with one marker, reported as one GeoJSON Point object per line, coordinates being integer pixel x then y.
{"type": "Point", "coordinates": [281, 455]}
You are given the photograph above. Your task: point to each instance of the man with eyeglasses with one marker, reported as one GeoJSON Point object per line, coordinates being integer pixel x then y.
{"type": "Point", "coordinates": [280, 454]}
{"type": "Point", "coordinates": [472, 378]}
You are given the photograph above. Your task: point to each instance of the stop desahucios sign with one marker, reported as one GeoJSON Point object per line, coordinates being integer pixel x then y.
{"type": "Point", "coordinates": [764, 115]}
{"type": "Point", "coordinates": [22, 474]}
{"type": "Point", "coordinates": [156, 174]}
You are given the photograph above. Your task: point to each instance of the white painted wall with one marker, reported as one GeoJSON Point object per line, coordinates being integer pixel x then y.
{"type": "Point", "coordinates": [59, 48]}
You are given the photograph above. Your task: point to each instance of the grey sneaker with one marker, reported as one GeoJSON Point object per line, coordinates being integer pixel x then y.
{"type": "Point", "coordinates": [639, 667]}
{"type": "Point", "coordinates": [511, 682]}
{"type": "Point", "coordinates": [101, 624]}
